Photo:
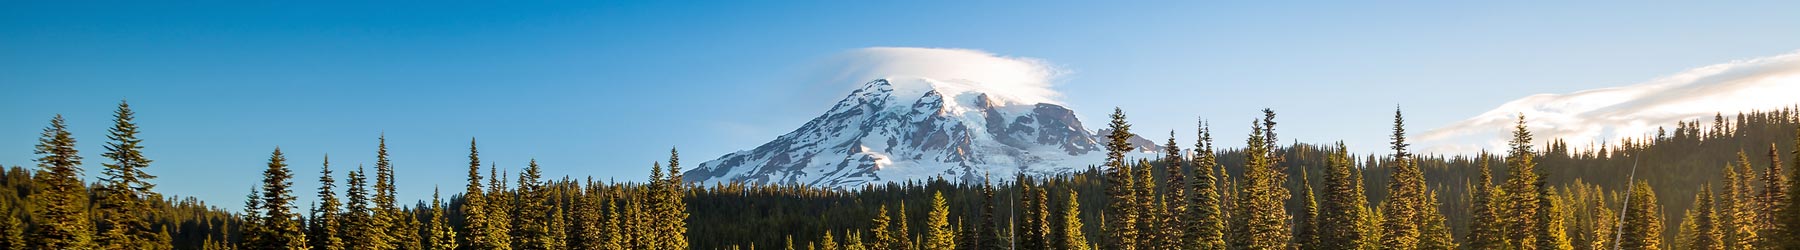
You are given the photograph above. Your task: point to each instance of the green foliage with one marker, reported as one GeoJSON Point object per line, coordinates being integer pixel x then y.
{"type": "Point", "coordinates": [124, 184]}
{"type": "Point", "coordinates": [279, 225]}
{"type": "Point", "coordinates": [1121, 227]}
{"type": "Point", "coordinates": [64, 199]}
{"type": "Point", "coordinates": [938, 234]}
{"type": "Point", "coordinates": [1643, 219]}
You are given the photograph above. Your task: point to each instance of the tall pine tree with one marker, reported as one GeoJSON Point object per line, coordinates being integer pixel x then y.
{"type": "Point", "coordinates": [124, 188]}
{"type": "Point", "coordinates": [1406, 191]}
{"type": "Point", "coordinates": [326, 220]}
{"type": "Point", "coordinates": [938, 234]}
{"type": "Point", "coordinates": [1121, 206]}
{"type": "Point", "coordinates": [280, 228]}
{"type": "Point", "coordinates": [1522, 190]}
{"type": "Point", "coordinates": [64, 199]}
{"type": "Point", "coordinates": [1073, 238]}
{"type": "Point", "coordinates": [1643, 219]}
{"type": "Point", "coordinates": [1205, 222]}
{"type": "Point", "coordinates": [1341, 214]}
{"type": "Point", "coordinates": [1487, 226]}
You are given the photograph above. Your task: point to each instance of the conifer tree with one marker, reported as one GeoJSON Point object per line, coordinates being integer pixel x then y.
{"type": "Point", "coordinates": [903, 239]}
{"type": "Point", "coordinates": [1073, 238]}
{"type": "Point", "coordinates": [1121, 226]}
{"type": "Point", "coordinates": [325, 221]}
{"type": "Point", "coordinates": [1774, 200]}
{"type": "Point", "coordinates": [479, 229]}
{"type": "Point", "coordinates": [1486, 228]}
{"type": "Point", "coordinates": [585, 230]}
{"type": "Point", "coordinates": [1205, 223]}
{"type": "Point", "coordinates": [1175, 198]}
{"type": "Point", "coordinates": [385, 215]}
{"type": "Point", "coordinates": [881, 236]}
{"type": "Point", "coordinates": [1522, 190]}
{"type": "Point", "coordinates": [1032, 230]}
{"type": "Point", "coordinates": [533, 224]}
{"type": "Point", "coordinates": [674, 209]}
{"type": "Point", "coordinates": [828, 243]}
{"type": "Point", "coordinates": [989, 234]}
{"type": "Point", "coordinates": [12, 231]}
{"type": "Point", "coordinates": [1605, 222]}
{"type": "Point", "coordinates": [1643, 220]}
{"type": "Point", "coordinates": [63, 211]}
{"type": "Point", "coordinates": [1434, 234]}
{"type": "Point", "coordinates": [558, 235]}
{"type": "Point", "coordinates": [1789, 216]}
{"type": "Point", "coordinates": [280, 228]}
{"type": "Point", "coordinates": [124, 187]}
{"type": "Point", "coordinates": [612, 238]}
{"type": "Point", "coordinates": [1340, 215]}
{"type": "Point", "coordinates": [441, 237]}
{"type": "Point", "coordinates": [1262, 197]}
{"type": "Point", "coordinates": [853, 241]}
{"type": "Point", "coordinates": [360, 227]}
{"type": "Point", "coordinates": [1552, 232]}
{"type": "Point", "coordinates": [252, 231]}
{"type": "Point", "coordinates": [1736, 215]}
{"type": "Point", "coordinates": [1406, 189]}
{"type": "Point", "coordinates": [1706, 227]}
{"type": "Point", "coordinates": [1306, 227]}
{"type": "Point", "coordinates": [1371, 216]}
{"type": "Point", "coordinates": [1149, 222]}
{"type": "Point", "coordinates": [938, 234]}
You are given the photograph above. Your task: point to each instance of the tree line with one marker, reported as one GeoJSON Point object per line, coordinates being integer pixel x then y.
{"type": "Point", "coordinates": [1264, 195]}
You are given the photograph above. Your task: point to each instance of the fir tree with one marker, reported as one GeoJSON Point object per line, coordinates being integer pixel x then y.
{"type": "Point", "coordinates": [1262, 197]}
{"type": "Point", "coordinates": [1706, 227]}
{"type": "Point", "coordinates": [325, 220]}
{"type": "Point", "coordinates": [881, 235]}
{"type": "Point", "coordinates": [1486, 228]}
{"type": "Point", "coordinates": [280, 228]}
{"type": "Point", "coordinates": [585, 232]}
{"type": "Point", "coordinates": [1175, 198]}
{"type": "Point", "coordinates": [384, 215]}
{"type": "Point", "coordinates": [1737, 218]}
{"type": "Point", "coordinates": [1643, 220]}
{"type": "Point", "coordinates": [938, 234]}
{"type": "Point", "coordinates": [1205, 223]}
{"type": "Point", "coordinates": [853, 241]}
{"type": "Point", "coordinates": [1072, 238]}
{"type": "Point", "coordinates": [1434, 234]}
{"type": "Point", "coordinates": [1121, 226]}
{"type": "Point", "coordinates": [902, 238]}
{"type": "Point", "coordinates": [674, 209]}
{"type": "Point", "coordinates": [828, 243]}
{"type": "Point", "coordinates": [1306, 227]}
{"type": "Point", "coordinates": [1032, 229]}
{"type": "Point", "coordinates": [1406, 189]}
{"type": "Point", "coordinates": [64, 198]}
{"type": "Point", "coordinates": [1149, 228]}
{"type": "Point", "coordinates": [1789, 215]}
{"type": "Point", "coordinates": [12, 231]}
{"type": "Point", "coordinates": [1522, 190]}
{"type": "Point", "coordinates": [1552, 233]}
{"type": "Point", "coordinates": [360, 227]}
{"type": "Point", "coordinates": [533, 224]}
{"type": "Point", "coordinates": [1342, 212]}
{"type": "Point", "coordinates": [480, 231]}
{"type": "Point", "coordinates": [989, 234]}
{"type": "Point", "coordinates": [1774, 200]}
{"type": "Point", "coordinates": [124, 187]}
{"type": "Point", "coordinates": [441, 237]}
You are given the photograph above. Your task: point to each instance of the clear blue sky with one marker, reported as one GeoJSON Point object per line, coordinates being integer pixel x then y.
{"type": "Point", "coordinates": [604, 89]}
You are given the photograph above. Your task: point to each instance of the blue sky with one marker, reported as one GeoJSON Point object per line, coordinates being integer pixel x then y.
{"type": "Point", "coordinates": [604, 89]}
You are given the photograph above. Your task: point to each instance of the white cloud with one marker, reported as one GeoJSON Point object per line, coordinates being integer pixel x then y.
{"type": "Point", "coordinates": [1605, 115]}
{"type": "Point", "coordinates": [1020, 79]}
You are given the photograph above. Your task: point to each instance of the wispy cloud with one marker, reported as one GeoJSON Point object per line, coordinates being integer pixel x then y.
{"type": "Point", "coordinates": [1603, 115]}
{"type": "Point", "coordinates": [1020, 78]}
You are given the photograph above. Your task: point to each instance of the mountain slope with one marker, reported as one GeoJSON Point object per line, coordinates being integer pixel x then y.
{"type": "Point", "coordinates": [900, 129]}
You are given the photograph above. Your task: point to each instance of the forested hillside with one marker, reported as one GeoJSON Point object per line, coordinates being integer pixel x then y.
{"type": "Point", "coordinates": [1721, 184]}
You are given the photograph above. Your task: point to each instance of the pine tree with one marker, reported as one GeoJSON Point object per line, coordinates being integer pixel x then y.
{"type": "Point", "coordinates": [252, 217]}
{"type": "Point", "coordinates": [1344, 206]}
{"type": "Point", "coordinates": [1205, 223]}
{"type": "Point", "coordinates": [1706, 226]}
{"type": "Point", "coordinates": [1032, 230]}
{"type": "Point", "coordinates": [1406, 189]}
{"type": "Point", "coordinates": [1736, 215]}
{"type": "Point", "coordinates": [989, 234]}
{"type": "Point", "coordinates": [500, 208]}
{"type": "Point", "coordinates": [1149, 221]}
{"type": "Point", "coordinates": [585, 232]}
{"type": "Point", "coordinates": [323, 233]}
{"type": "Point", "coordinates": [441, 236]}
{"type": "Point", "coordinates": [1306, 227]}
{"type": "Point", "coordinates": [674, 209]}
{"type": "Point", "coordinates": [881, 235]}
{"type": "Point", "coordinates": [1774, 200]}
{"type": "Point", "coordinates": [12, 231]}
{"type": "Point", "coordinates": [1643, 220]}
{"type": "Point", "coordinates": [1486, 229]}
{"type": "Point", "coordinates": [828, 243]}
{"type": "Point", "coordinates": [360, 230]}
{"type": "Point", "coordinates": [63, 211]}
{"type": "Point", "coordinates": [1121, 227]}
{"type": "Point", "coordinates": [280, 228]}
{"type": "Point", "coordinates": [938, 234]}
{"type": "Point", "coordinates": [1262, 197]}
{"type": "Point", "coordinates": [534, 227]}
{"type": "Point", "coordinates": [854, 241]}
{"type": "Point", "coordinates": [1072, 239]}
{"type": "Point", "coordinates": [612, 240]}
{"type": "Point", "coordinates": [1175, 198]}
{"type": "Point", "coordinates": [1552, 233]}
{"type": "Point", "coordinates": [480, 231]}
{"type": "Point", "coordinates": [558, 235]}
{"type": "Point", "coordinates": [1604, 223]}
{"type": "Point", "coordinates": [1434, 234]}
{"type": "Point", "coordinates": [902, 238]}
{"type": "Point", "coordinates": [385, 215]}
{"type": "Point", "coordinates": [1789, 216]}
{"type": "Point", "coordinates": [124, 187]}
{"type": "Point", "coordinates": [1522, 190]}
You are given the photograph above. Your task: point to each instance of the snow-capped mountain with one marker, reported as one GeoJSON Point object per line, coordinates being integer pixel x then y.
{"type": "Point", "coordinates": [899, 129]}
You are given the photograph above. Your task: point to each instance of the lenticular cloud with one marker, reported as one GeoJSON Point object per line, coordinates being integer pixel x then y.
{"type": "Point", "coordinates": [1597, 116]}
{"type": "Point", "coordinates": [1025, 80]}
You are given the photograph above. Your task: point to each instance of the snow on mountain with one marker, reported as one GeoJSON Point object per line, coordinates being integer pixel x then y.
{"type": "Point", "coordinates": [899, 129]}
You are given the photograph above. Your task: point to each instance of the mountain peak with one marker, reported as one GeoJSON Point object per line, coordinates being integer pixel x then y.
{"type": "Point", "coordinates": [907, 128]}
